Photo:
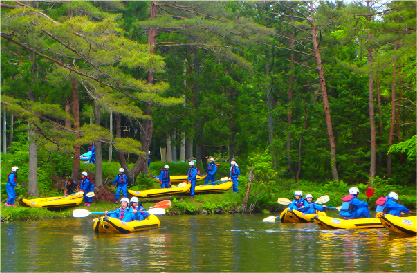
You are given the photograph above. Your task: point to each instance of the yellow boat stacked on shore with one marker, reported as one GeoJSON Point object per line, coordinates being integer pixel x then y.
{"type": "Point", "coordinates": [295, 216]}
{"type": "Point", "coordinates": [224, 186]}
{"type": "Point", "coordinates": [181, 188]}
{"type": "Point", "coordinates": [398, 224]}
{"type": "Point", "coordinates": [107, 224]}
{"type": "Point", "coordinates": [327, 222]}
{"type": "Point", "coordinates": [182, 178]}
{"type": "Point", "coordinates": [54, 202]}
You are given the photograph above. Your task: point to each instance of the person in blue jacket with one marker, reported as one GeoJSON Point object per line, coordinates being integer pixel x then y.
{"type": "Point", "coordinates": [234, 175]}
{"type": "Point", "coordinates": [122, 213]}
{"type": "Point", "coordinates": [299, 203]}
{"type": "Point", "coordinates": [121, 181]}
{"type": "Point", "coordinates": [10, 185]}
{"type": "Point", "coordinates": [311, 207]}
{"type": "Point", "coordinates": [192, 177]}
{"type": "Point", "coordinates": [391, 206]}
{"type": "Point", "coordinates": [93, 154]}
{"type": "Point", "coordinates": [211, 171]}
{"type": "Point", "coordinates": [137, 209]}
{"type": "Point", "coordinates": [164, 177]}
{"type": "Point", "coordinates": [352, 207]}
{"type": "Point", "coordinates": [86, 186]}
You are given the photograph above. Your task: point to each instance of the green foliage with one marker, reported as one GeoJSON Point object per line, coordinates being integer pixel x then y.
{"type": "Point", "coordinates": [408, 147]}
{"type": "Point", "coordinates": [175, 168]}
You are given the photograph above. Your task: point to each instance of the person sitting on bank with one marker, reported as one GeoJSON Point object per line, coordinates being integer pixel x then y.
{"type": "Point", "coordinates": [164, 177]}
{"type": "Point", "coordinates": [311, 207]}
{"type": "Point", "coordinates": [70, 187]}
{"type": "Point", "coordinates": [122, 213]}
{"type": "Point", "coordinates": [299, 203]}
{"type": "Point", "coordinates": [388, 205]}
{"type": "Point", "coordinates": [137, 209]}
{"type": "Point", "coordinates": [352, 207]}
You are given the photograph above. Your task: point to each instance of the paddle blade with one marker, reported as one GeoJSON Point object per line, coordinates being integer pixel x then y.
{"type": "Point", "coordinates": [156, 211]}
{"type": "Point", "coordinates": [369, 192]}
{"type": "Point", "coordinates": [284, 201]}
{"type": "Point", "coordinates": [270, 219]}
{"type": "Point", "coordinates": [323, 199]}
{"type": "Point", "coordinates": [90, 194]}
{"type": "Point", "coordinates": [162, 204]}
{"type": "Point", "coordinates": [79, 213]}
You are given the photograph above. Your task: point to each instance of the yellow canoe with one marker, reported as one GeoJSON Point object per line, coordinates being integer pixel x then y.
{"type": "Point", "coordinates": [397, 224]}
{"type": "Point", "coordinates": [54, 202]}
{"type": "Point", "coordinates": [327, 222]}
{"type": "Point", "coordinates": [295, 216]}
{"type": "Point", "coordinates": [213, 188]}
{"type": "Point", "coordinates": [182, 178]}
{"type": "Point", "coordinates": [107, 224]}
{"type": "Point", "coordinates": [182, 188]}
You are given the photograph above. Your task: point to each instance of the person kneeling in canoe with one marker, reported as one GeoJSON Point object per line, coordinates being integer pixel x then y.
{"type": "Point", "coordinates": [121, 213]}
{"type": "Point", "coordinates": [388, 205]}
{"type": "Point", "coordinates": [299, 202]}
{"type": "Point", "coordinates": [137, 209]}
{"type": "Point", "coordinates": [352, 207]}
{"type": "Point", "coordinates": [311, 207]}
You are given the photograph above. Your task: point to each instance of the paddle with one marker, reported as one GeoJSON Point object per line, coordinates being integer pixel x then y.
{"type": "Point", "coordinates": [369, 192]}
{"type": "Point", "coordinates": [270, 218]}
{"type": "Point", "coordinates": [284, 201]}
{"type": "Point", "coordinates": [90, 194]}
{"type": "Point", "coordinates": [322, 199]}
{"type": "Point", "coordinates": [338, 208]}
{"type": "Point", "coordinates": [162, 204]}
{"type": "Point", "coordinates": [80, 213]}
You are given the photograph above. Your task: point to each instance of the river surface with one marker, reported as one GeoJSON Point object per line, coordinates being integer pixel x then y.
{"type": "Point", "coordinates": [202, 243]}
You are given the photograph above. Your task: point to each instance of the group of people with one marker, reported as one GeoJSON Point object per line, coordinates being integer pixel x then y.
{"type": "Point", "coordinates": [134, 212]}
{"type": "Point", "coordinates": [165, 179]}
{"type": "Point", "coordinates": [352, 207]}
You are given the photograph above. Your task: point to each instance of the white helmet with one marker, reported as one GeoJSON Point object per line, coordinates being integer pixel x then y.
{"type": "Point", "coordinates": [121, 170]}
{"type": "Point", "coordinates": [233, 163]}
{"type": "Point", "coordinates": [124, 199]}
{"type": "Point", "coordinates": [393, 195]}
{"type": "Point", "coordinates": [191, 163]}
{"type": "Point", "coordinates": [211, 159]}
{"type": "Point", "coordinates": [309, 196]}
{"type": "Point", "coordinates": [299, 193]}
{"type": "Point", "coordinates": [353, 190]}
{"type": "Point", "coordinates": [134, 199]}
{"type": "Point", "coordinates": [14, 169]}
{"type": "Point", "coordinates": [84, 173]}
{"type": "Point", "coordinates": [166, 167]}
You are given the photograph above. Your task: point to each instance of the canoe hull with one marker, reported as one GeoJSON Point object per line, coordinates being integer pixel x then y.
{"type": "Point", "coordinates": [295, 216]}
{"type": "Point", "coordinates": [213, 188]}
{"type": "Point", "coordinates": [327, 222]}
{"type": "Point", "coordinates": [397, 224]}
{"type": "Point", "coordinates": [107, 224]}
{"type": "Point", "coordinates": [54, 202]}
{"type": "Point", "coordinates": [161, 192]}
{"type": "Point", "coordinates": [183, 178]}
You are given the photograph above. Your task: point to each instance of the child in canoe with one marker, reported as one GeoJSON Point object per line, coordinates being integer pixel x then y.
{"type": "Point", "coordinates": [122, 213]}
{"type": "Point", "coordinates": [299, 203]}
{"type": "Point", "coordinates": [311, 207]}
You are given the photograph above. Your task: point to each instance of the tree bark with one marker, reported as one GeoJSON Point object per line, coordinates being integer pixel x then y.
{"type": "Point", "coordinates": [182, 147]}
{"type": "Point", "coordinates": [393, 108]}
{"type": "Point", "coordinates": [173, 145]}
{"type": "Point", "coordinates": [11, 128]}
{"type": "Point", "coordinates": [169, 149]}
{"type": "Point", "coordinates": [372, 170]}
{"type": "Point", "coordinates": [289, 118]}
{"type": "Point", "coordinates": [4, 132]}
{"type": "Point", "coordinates": [99, 156]}
{"type": "Point", "coordinates": [379, 162]}
{"type": "Point", "coordinates": [76, 116]}
{"type": "Point", "coordinates": [111, 137]}
{"type": "Point", "coordinates": [33, 146]}
{"type": "Point", "coordinates": [397, 121]}
{"type": "Point", "coordinates": [325, 100]}
{"type": "Point", "coordinates": [189, 148]}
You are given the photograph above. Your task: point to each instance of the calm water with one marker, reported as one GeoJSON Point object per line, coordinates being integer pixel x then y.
{"type": "Point", "coordinates": [202, 243]}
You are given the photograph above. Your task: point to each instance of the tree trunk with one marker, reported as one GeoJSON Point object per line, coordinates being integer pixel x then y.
{"type": "Point", "coordinates": [111, 137]}
{"type": "Point", "coordinates": [397, 121]}
{"type": "Point", "coordinates": [379, 163]}
{"type": "Point", "coordinates": [169, 149]}
{"type": "Point", "coordinates": [182, 147]}
{"type": "Point", "coordinates": [393, 106]}
{"type": "Point", "coordinates": [76, 115]}
{"type": "Point", "coordinates": [33, 146]}
{"type": "Point", "coordinates": [189, 148]}
{"type": "Point", "coordinates": [67, 110]}
{"type": "Point", "coordinates": [174, 146]}
{"type": "Point", "coordinates": [372, 170]}
{"type": "Point", "coordinates": [325, 100]}
{"type": "Point", "coordinates": [4, 132]}
{"type": "Point", "coordinates": [99, 155]}
{"type": "Point", "coordinates": [11, 131]}
{"type": "Point", "coordinates": [289, 119]}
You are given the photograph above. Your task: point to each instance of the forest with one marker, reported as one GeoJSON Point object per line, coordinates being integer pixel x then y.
{"type": "Point", "coordinates": [299, 91]}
